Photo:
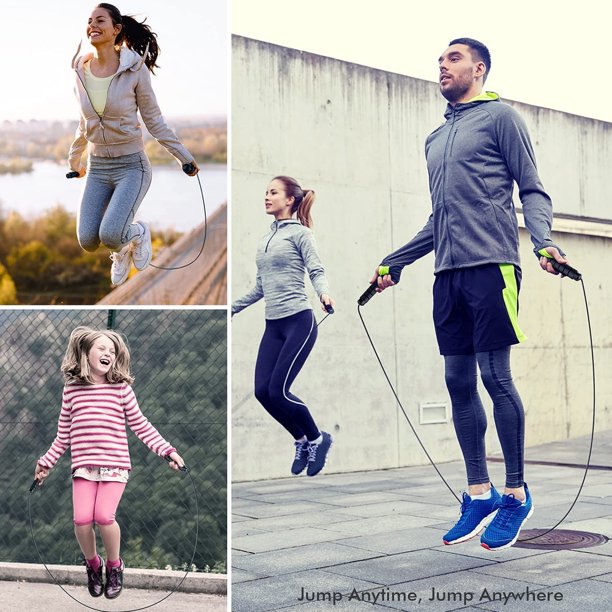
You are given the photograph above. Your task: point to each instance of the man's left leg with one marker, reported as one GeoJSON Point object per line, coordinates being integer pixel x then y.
{"type": "Point", "coordinates": [516, 505]}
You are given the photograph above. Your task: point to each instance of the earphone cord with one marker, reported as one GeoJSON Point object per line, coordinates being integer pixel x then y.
{"type": "Point", "coordinates": [432, 461]}
{"type": "Point", "coordinates": [176, 588]}
{"type": "Point", "coordinates": [203, 241]}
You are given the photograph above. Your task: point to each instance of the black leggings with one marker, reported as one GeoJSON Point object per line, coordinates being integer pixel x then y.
{"type": "Point", "coordinates": [469, 416]}
{"type": "Point", "coordinates": [284, 348]}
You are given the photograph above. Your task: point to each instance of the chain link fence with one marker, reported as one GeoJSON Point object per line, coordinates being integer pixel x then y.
{"type": "Point", "coordinates": [179, 360]}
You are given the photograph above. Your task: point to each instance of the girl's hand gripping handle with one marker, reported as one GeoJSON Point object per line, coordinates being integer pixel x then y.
{"type": "Point", "coordinates": [176, 462]}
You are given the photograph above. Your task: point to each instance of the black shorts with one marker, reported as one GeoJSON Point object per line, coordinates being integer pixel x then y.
{"type": "Point", "coordinates": [476, 309]}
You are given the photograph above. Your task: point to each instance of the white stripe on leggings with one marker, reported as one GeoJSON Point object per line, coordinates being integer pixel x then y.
{"type": "Point", "coordinates": [291, 366]}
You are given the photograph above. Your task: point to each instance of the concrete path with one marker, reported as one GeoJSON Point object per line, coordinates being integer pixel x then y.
{"type": "Point", "coordinates": [348, 541]}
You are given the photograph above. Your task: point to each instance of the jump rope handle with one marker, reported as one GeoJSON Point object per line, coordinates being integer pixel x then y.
{"type": "Point", "coordinates": [72, 174]}
{"type": "Point", "coordinates": [370, 292]}
{"type": "Point", "coordinates": [169, 459]}
{"type": "Point", "coordinates": [33, 485]}
{"type": "Point", "coordinates": [188, 168]}
{"type": "Point", "coordinates": [329, 308]}
{"type": "Point", "coordinates": [566, 270]}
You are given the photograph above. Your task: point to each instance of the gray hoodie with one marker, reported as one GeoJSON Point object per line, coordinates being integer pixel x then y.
{"type": "Point", "coordinates": [117, 132]}
{"type": "Point", "coordinates": [473, 160]}
{"type": "Point", "coordinates": [284, 255]}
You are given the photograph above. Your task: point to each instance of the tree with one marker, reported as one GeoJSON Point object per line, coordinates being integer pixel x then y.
{"type": "Point", "coordinates": [8, 294]}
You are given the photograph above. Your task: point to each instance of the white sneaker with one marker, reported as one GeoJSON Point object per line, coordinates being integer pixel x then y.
{"type": "Point", "coordinates": [120, 268]}
{"type": "Point", "coordinates": [142, 251]}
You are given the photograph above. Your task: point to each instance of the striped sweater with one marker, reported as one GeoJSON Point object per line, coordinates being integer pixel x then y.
{"type": "Point", "coordinates": [92, 422]}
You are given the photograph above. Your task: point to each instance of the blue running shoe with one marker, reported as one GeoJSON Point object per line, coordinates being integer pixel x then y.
{"type": "Point", "coordinates": [317, 454]}
{"type": "Point", "coordinates": [475, 515]}
{"type": "Point", "coordinates": [504, 530]}
{"type": "Point", "coordinates": [300, 461]}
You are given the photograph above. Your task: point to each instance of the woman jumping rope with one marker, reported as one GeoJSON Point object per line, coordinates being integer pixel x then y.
{"type": "Point", "coordinates": [284, 255]}
{"type": "Point", "coordinates": [112, 84]}
{"type": "Point", "coordinates": [97, 401]}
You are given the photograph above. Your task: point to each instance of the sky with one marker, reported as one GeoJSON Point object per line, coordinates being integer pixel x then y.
{"type": "Point", "coordinates": [40, 37]}
{"type": "Point", "coordinates": [548, 53]}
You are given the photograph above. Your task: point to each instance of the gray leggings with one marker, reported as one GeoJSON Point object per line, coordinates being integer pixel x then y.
{"type": "Point", "coordinates": [469, 416]}
{"type": "Point", "coordinates": [114, 190]}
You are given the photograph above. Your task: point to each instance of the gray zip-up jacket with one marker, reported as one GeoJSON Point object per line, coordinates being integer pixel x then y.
{"type": "Point", "coordinates": [473, 160]}
{"type": "Point", "coordinates": [284, 255]}
{"type": "Point", "coordinates": [117, 132]}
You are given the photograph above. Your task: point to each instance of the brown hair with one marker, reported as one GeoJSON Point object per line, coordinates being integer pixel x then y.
{"type": "Point", "coordinates": [75, 366]}
{"type": "Point", "coordinates": [303, 199]}
{"type": "Point", "coordinates": [135, 34]}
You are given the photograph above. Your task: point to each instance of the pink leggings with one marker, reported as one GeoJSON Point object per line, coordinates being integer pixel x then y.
{"type": "Point", "coordinates": [95, 502]}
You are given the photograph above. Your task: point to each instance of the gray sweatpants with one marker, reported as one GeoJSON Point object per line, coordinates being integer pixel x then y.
{"type": "Point", "coordinates": [114, 190]}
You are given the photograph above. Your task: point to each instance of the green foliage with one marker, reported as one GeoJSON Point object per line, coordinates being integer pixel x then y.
{"type": "Point", "coordinates": [46, 264]}
{"type": "Point", "coordinates": [179, 360]}
{"type": "Point", "coordinates": [8, 293]}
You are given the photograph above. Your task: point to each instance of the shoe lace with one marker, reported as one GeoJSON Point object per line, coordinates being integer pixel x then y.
{"type": "Point", "coordinates": [465, 503]}
{"type": "Point", "coordinates": [300, 447]}
{"type": "Point", "coordinates": [119, 256]}
{"type": "Point", "coordinates": [91, 572]}
{"type": "Point", "coordinates": [312, 451]}
{"type": "Point", "coordinates": [113, 577]}
{"type": "Point", "coordinates": [505, 511]}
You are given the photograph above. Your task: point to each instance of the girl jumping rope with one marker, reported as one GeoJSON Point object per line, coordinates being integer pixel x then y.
{"type": "Point", "coordinates": [284, 255]}
{"type": "Point", "coordinates": [97, 401]}
{"type": "Point", "coordinates": [112, 84]}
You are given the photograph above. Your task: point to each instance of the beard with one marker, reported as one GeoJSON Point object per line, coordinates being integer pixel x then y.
{"type": "Point", "coordinates": [457, 87]}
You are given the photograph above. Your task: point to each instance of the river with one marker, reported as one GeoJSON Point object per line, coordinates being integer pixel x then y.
{"type": "Point", "coordinates": [173, 201]}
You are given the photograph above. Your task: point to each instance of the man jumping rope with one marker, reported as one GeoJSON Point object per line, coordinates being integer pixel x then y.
{"type": "Point", "coordinates": [473, 160]}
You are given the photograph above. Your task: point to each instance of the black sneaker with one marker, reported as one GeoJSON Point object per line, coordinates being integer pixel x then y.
{"type": "Point", "coordinates": [300, 461]}
{"type": "Point", "coordinates": [95, 585]}
{"type": "Point", "coordinates": [114, 581]}
{"type": "Point", "coordinates": [317, 454]}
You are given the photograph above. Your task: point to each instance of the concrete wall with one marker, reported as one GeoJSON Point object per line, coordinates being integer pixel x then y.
{"type": "Point", "coordinates": [356, 135]}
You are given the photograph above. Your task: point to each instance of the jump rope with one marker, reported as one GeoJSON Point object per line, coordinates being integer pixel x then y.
{"type": "Point", "coordinates": [188, 168]}
{"type": "Point", "coordinates": [564, 270]}
{"type": "Point", "coordinates": [176, 588]}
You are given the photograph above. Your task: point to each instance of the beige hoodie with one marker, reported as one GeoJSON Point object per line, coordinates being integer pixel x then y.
{"type": "Point", "coordinates": [117, 132]}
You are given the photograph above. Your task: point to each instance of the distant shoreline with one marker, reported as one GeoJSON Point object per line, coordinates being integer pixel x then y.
{"type": "Point", "coordinates": [21, 165]}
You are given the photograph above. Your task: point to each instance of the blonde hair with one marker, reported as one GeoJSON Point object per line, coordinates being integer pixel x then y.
{"type": "Point", "coordinates": [303, 199]}
{"type": "Point", "coordinates": [75, 365]}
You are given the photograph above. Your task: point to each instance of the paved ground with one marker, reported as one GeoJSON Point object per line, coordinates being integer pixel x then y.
{"type": "Point", "coordinates": [337, 541]}
{"type": "Point", "coordinates": [39, 597]}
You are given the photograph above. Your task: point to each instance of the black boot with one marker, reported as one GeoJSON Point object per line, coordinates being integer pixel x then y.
{"type": "Point", "coordinates": [114, 581]}
{"type": "Point", "coordinates": [94, 579]}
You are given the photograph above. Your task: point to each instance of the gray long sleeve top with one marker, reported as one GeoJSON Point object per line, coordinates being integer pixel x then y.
{"type": "Point", "coordinates": [473, 160]}
{"type": "Point", "coordinates": [284, 255]}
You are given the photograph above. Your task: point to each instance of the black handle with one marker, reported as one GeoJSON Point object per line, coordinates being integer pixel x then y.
{"type": "Point", "coordinates": [188, 168]}
{"type": "Point", "coordinates": [73, 174]}
{"type": "Point", "coordinates": [368, 294]}
{"type": "Point", "coordinates": [329, 308]}
{"type": "Point", "coordinates": [183, 468]}
{"type": "Point", "coordinates": [566, 270]}
{"type": "Point", "coordinates": [33, 485]}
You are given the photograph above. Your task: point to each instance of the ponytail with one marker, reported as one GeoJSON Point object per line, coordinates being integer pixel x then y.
{"type": "Point", "coordinates": [136, 35]}
{"type": "Point", "coordinates": [303, 208]}
{"type": "Point", "coordinates": [303, 199]}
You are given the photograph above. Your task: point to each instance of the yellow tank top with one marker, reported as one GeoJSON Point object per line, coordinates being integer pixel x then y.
{"type": "Point", "coordinates": [97, 88]}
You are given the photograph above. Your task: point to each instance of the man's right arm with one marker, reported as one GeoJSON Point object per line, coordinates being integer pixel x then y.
{"type": "Point", "coordinates": [419, 246]}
